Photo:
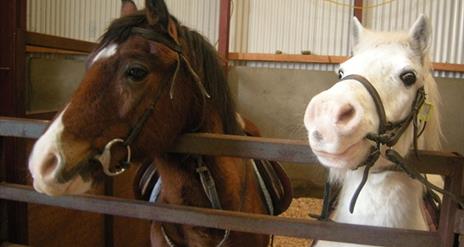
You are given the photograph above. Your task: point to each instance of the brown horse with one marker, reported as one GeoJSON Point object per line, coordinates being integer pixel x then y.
{"type": "Point", "coordinates": [149, 81]}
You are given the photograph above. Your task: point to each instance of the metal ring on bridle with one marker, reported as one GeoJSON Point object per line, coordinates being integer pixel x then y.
{"type": "Point", "coordinates": [105, 158]}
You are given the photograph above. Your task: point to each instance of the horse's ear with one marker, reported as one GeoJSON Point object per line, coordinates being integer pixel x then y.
{"type": "Point", "coordinates": [420, 34]}
{"type": "Point", "coordinates": [172, 29]}
{"type": "Point", "coordinates": [128, 7]}
{"type": "Point", "coordinates": [358, 30]}
{"type": "Point", "coordinates": [157, 12]}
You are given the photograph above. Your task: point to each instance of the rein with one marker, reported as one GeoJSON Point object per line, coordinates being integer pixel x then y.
{"type": "Point", "coordinates": [388, 135]}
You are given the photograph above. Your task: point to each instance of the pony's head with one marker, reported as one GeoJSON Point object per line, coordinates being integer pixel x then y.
{"type": "Point", "coordinates": [397, 66]}
{"type": "Point", "coordinates": [146, 83]}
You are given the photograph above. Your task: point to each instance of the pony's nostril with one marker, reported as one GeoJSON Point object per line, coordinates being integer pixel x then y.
{"type": "Point", "coordinates": [345, 114]}
{"type": "Point", "coordinates": [317, 135]}
{"type": "Point", "coordinates": [50, 164]}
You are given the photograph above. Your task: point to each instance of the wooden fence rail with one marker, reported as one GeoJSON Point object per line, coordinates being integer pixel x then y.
{"type": "Point", "coordinates": [227, 219]}
{"type": "Point", "coordinates": [264, 148]}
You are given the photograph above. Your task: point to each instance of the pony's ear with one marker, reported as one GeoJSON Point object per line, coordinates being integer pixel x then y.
{"type": "Point", "coordinates": [420, 34]}
{"type": "Point", "coordinates": [128, 7]}
{"type": "Point", "coordinates": [157, 13]}
{"type": "Point", "coordinates": [358, 31]}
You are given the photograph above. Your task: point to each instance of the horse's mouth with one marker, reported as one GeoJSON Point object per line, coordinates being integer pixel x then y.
{"type": "Point", "coordinates": [346, 154]}
{"type": "Point", "coordinates": [74, 186]}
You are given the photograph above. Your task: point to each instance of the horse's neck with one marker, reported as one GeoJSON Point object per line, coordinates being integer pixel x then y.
{"type": "Point", "coordinates": [181, 183]}
{"type": "Point", "coordinates": [389, 199]}
{"type": "Point", "coordinates": [179, 175]}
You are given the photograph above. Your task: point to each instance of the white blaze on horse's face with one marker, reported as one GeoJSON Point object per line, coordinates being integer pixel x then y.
{"type": "Point", "coordinates": [47, 159]}
{"type": "Point", "coordinates": [106, 52]}
{"type": "Point", "coordinates": [338, 119]}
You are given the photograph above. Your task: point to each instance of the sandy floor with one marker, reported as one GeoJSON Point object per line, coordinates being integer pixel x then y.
{"type": "Point", "coordinates": [300, 208]}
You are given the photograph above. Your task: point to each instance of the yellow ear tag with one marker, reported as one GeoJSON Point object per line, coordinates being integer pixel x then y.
{"type": "Point", "coordinates": [425, 112]}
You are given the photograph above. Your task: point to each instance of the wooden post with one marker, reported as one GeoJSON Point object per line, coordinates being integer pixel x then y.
{"type": "Point", "coordinates": [358, 4]}
{"type": "Point", "coordinates": [12, 86]}
{"type": "Point", "coordinates": [224, 30]}
{"type": "Point", "coordinates": [453, 184]}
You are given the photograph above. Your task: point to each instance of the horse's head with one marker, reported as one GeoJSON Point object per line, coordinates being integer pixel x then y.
{"type": "Point", "coordinates": [141, 90]}
{"type": "Point", "coordinates": [396, 66]}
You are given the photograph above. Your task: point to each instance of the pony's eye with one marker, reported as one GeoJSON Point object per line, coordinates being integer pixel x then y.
{"type": "Point", "coordinates": [340, 74]}
{"type": "Point", "coordinates": [408, 78]}
{"type": "Point", "coordinates": [136, 72]}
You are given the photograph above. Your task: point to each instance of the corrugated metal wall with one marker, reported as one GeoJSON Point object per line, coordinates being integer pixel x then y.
{"type": "Point", "coordinates": [88, 19]}
{"type": "Point", "coordinates": [446, 17]}
{"type": "Point", "coordinates": [77, 19]}
{"type": "Point", "coordinates": [265, 26]}
{"type": "Point", "coordinates": [298, 25]}
{"type": "Point", "coordinates": [201, 15]}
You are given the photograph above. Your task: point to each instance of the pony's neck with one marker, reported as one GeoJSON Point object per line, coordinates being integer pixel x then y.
{"type": "Point", "coordinates": [390, 199]}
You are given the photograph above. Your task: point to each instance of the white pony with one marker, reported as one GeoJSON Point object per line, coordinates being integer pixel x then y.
{"type": "Point", "coordinates": [338, 120]}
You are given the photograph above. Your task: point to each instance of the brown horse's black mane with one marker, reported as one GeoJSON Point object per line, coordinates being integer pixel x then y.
{"type": "Point", "coordinates": [203, 57]}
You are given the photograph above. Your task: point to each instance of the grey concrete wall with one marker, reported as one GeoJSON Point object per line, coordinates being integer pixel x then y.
{"type": "Point", "coordinates": [452, 111]}
{"type": "Point", "coordinates": [52, 80]}
{"type": "Point", "coordinates": [275, 99]}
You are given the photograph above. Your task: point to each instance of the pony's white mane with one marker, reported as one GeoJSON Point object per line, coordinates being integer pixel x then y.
{"type": "Point", "coordinates": [433, 134]}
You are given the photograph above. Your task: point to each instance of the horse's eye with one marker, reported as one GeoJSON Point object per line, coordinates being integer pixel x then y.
{"type": "Point", "coordinates": [340, 74]}
{"type": "Point", "coordinates": [408, 78]}
{"type": "Point", "coordinates": [136, 72]}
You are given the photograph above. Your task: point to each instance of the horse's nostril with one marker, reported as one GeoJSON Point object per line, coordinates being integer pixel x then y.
{"type": "Point", "coordinates": [345, 114]}
{"type": "Point", "coordinates": [50, 164]}
{"type": "Point", "coordinates": [317, 135]}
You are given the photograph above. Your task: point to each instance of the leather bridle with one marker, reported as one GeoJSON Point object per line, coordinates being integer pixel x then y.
{"type": "Point", "coordinates": [388, 135]}
{"type": "Point", "coordinates": [203, 171]}
{"type": "Point", "coordinates": [105, 157]}
{"type": "Point", "coordinates": [96, 159]}
{"type": "Point", "coordinates": [388, 132]}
